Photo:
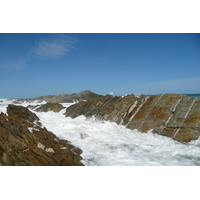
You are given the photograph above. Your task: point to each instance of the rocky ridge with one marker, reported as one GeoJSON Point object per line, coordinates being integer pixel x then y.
{"type": "Point", "coordinates": [172, 115]}
{"type": "Point", "coordinates": [24, 141]}
{"type": "Point", "coordinates": [65, 98]}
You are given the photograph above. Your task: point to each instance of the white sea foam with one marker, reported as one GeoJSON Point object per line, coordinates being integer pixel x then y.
{"type": "Point", "coordinates": [106, 143]}
{"type": "Point", "coordinates": [4, 103]}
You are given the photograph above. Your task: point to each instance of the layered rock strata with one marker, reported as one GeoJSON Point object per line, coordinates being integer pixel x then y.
{"type": "Point", "coordinates": [173, 115]}
{"type": "Point", "coordinates": [24, 141]}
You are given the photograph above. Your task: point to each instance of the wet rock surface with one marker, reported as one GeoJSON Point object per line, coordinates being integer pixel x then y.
{"type": "Point", "coordinates": [172, 115]}
{"type": "Point", "coordinates": [25, 142]}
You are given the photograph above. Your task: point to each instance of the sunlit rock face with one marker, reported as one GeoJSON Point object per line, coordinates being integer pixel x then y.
{"type": "Point", "coordinates": [173, 115]}
{"type": "Point", "coordinates": [24, 141]}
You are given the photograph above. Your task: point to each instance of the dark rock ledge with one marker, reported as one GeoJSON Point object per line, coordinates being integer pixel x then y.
{"type": "Point", "coordinates": [24, 142]}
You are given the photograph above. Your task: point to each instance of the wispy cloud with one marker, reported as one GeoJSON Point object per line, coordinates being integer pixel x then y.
{"type": "Point", "coordinates": [54, 47]}
{"type": "Point", "coordinates": [17, 64]}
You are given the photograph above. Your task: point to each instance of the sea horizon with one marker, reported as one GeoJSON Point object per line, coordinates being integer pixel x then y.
{"type": "Point", "coordinates": [188, 94]}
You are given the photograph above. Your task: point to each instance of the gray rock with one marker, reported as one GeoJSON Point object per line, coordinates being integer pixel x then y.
{"type": "Point", "coordinates": [56, 107]}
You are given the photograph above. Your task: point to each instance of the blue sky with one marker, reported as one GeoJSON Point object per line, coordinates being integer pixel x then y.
{"type": "Point", "coordinates": [33, 64]}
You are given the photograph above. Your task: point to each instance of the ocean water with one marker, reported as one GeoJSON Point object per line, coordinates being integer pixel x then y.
{"type": "Point", "coordinates": [193, 95]}
{"type": "Point", "coordinates": [107, 144]}
{"type": "Point", "coordinates": [189, 95]}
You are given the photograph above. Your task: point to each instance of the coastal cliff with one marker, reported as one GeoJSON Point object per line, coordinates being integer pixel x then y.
{"type": "Point", "coordinates": [172, 115]}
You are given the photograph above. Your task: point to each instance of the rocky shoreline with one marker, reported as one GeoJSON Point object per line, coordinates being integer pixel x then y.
{"type": "Point", "coordinates": [25, 142]}
{"type": "Point", "coordinates": [172, 115]}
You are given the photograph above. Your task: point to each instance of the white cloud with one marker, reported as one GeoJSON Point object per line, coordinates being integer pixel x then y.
{"type": "Point", "coordinates": [15, 64]}
{"type": "Point", "coordinates": [54, 47]}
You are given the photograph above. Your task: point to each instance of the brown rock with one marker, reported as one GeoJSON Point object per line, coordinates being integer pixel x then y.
{"type": "Point", "coordinates": [173, 115]}
{"type": "Point", "coordinates": [24, 142]}
{"type": "Point", "coordinates": [55, 107]}
{"type": "Point", "coordinates": [21, 114]}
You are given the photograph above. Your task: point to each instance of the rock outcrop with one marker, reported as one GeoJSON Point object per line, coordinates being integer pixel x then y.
{"type": "Point", "coordinates": [24, 141]}
{"type": "Point", "coordinates": [173, 115]}
{"type": "Point", "coordinates": [55, 107]}
{"type": "Point", "coordinates": [65, 98]}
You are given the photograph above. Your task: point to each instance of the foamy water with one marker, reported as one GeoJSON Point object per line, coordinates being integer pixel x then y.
{"type": "Point", "coordinates": [108, 144]}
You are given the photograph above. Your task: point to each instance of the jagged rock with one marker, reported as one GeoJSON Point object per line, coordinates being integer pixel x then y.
{"type": "Point", "coordinates": [24, 142]}
{"type": "Point", "coordinates": [56, 107]}
{"type": "Point", "coordinates": [87, 95]}
{"type": "Point", "coordinates": [173, 115]}
{"type": "Point", "coordinates": [90, 107]}
{"type": "Point", "coordinates": [21, 114]}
